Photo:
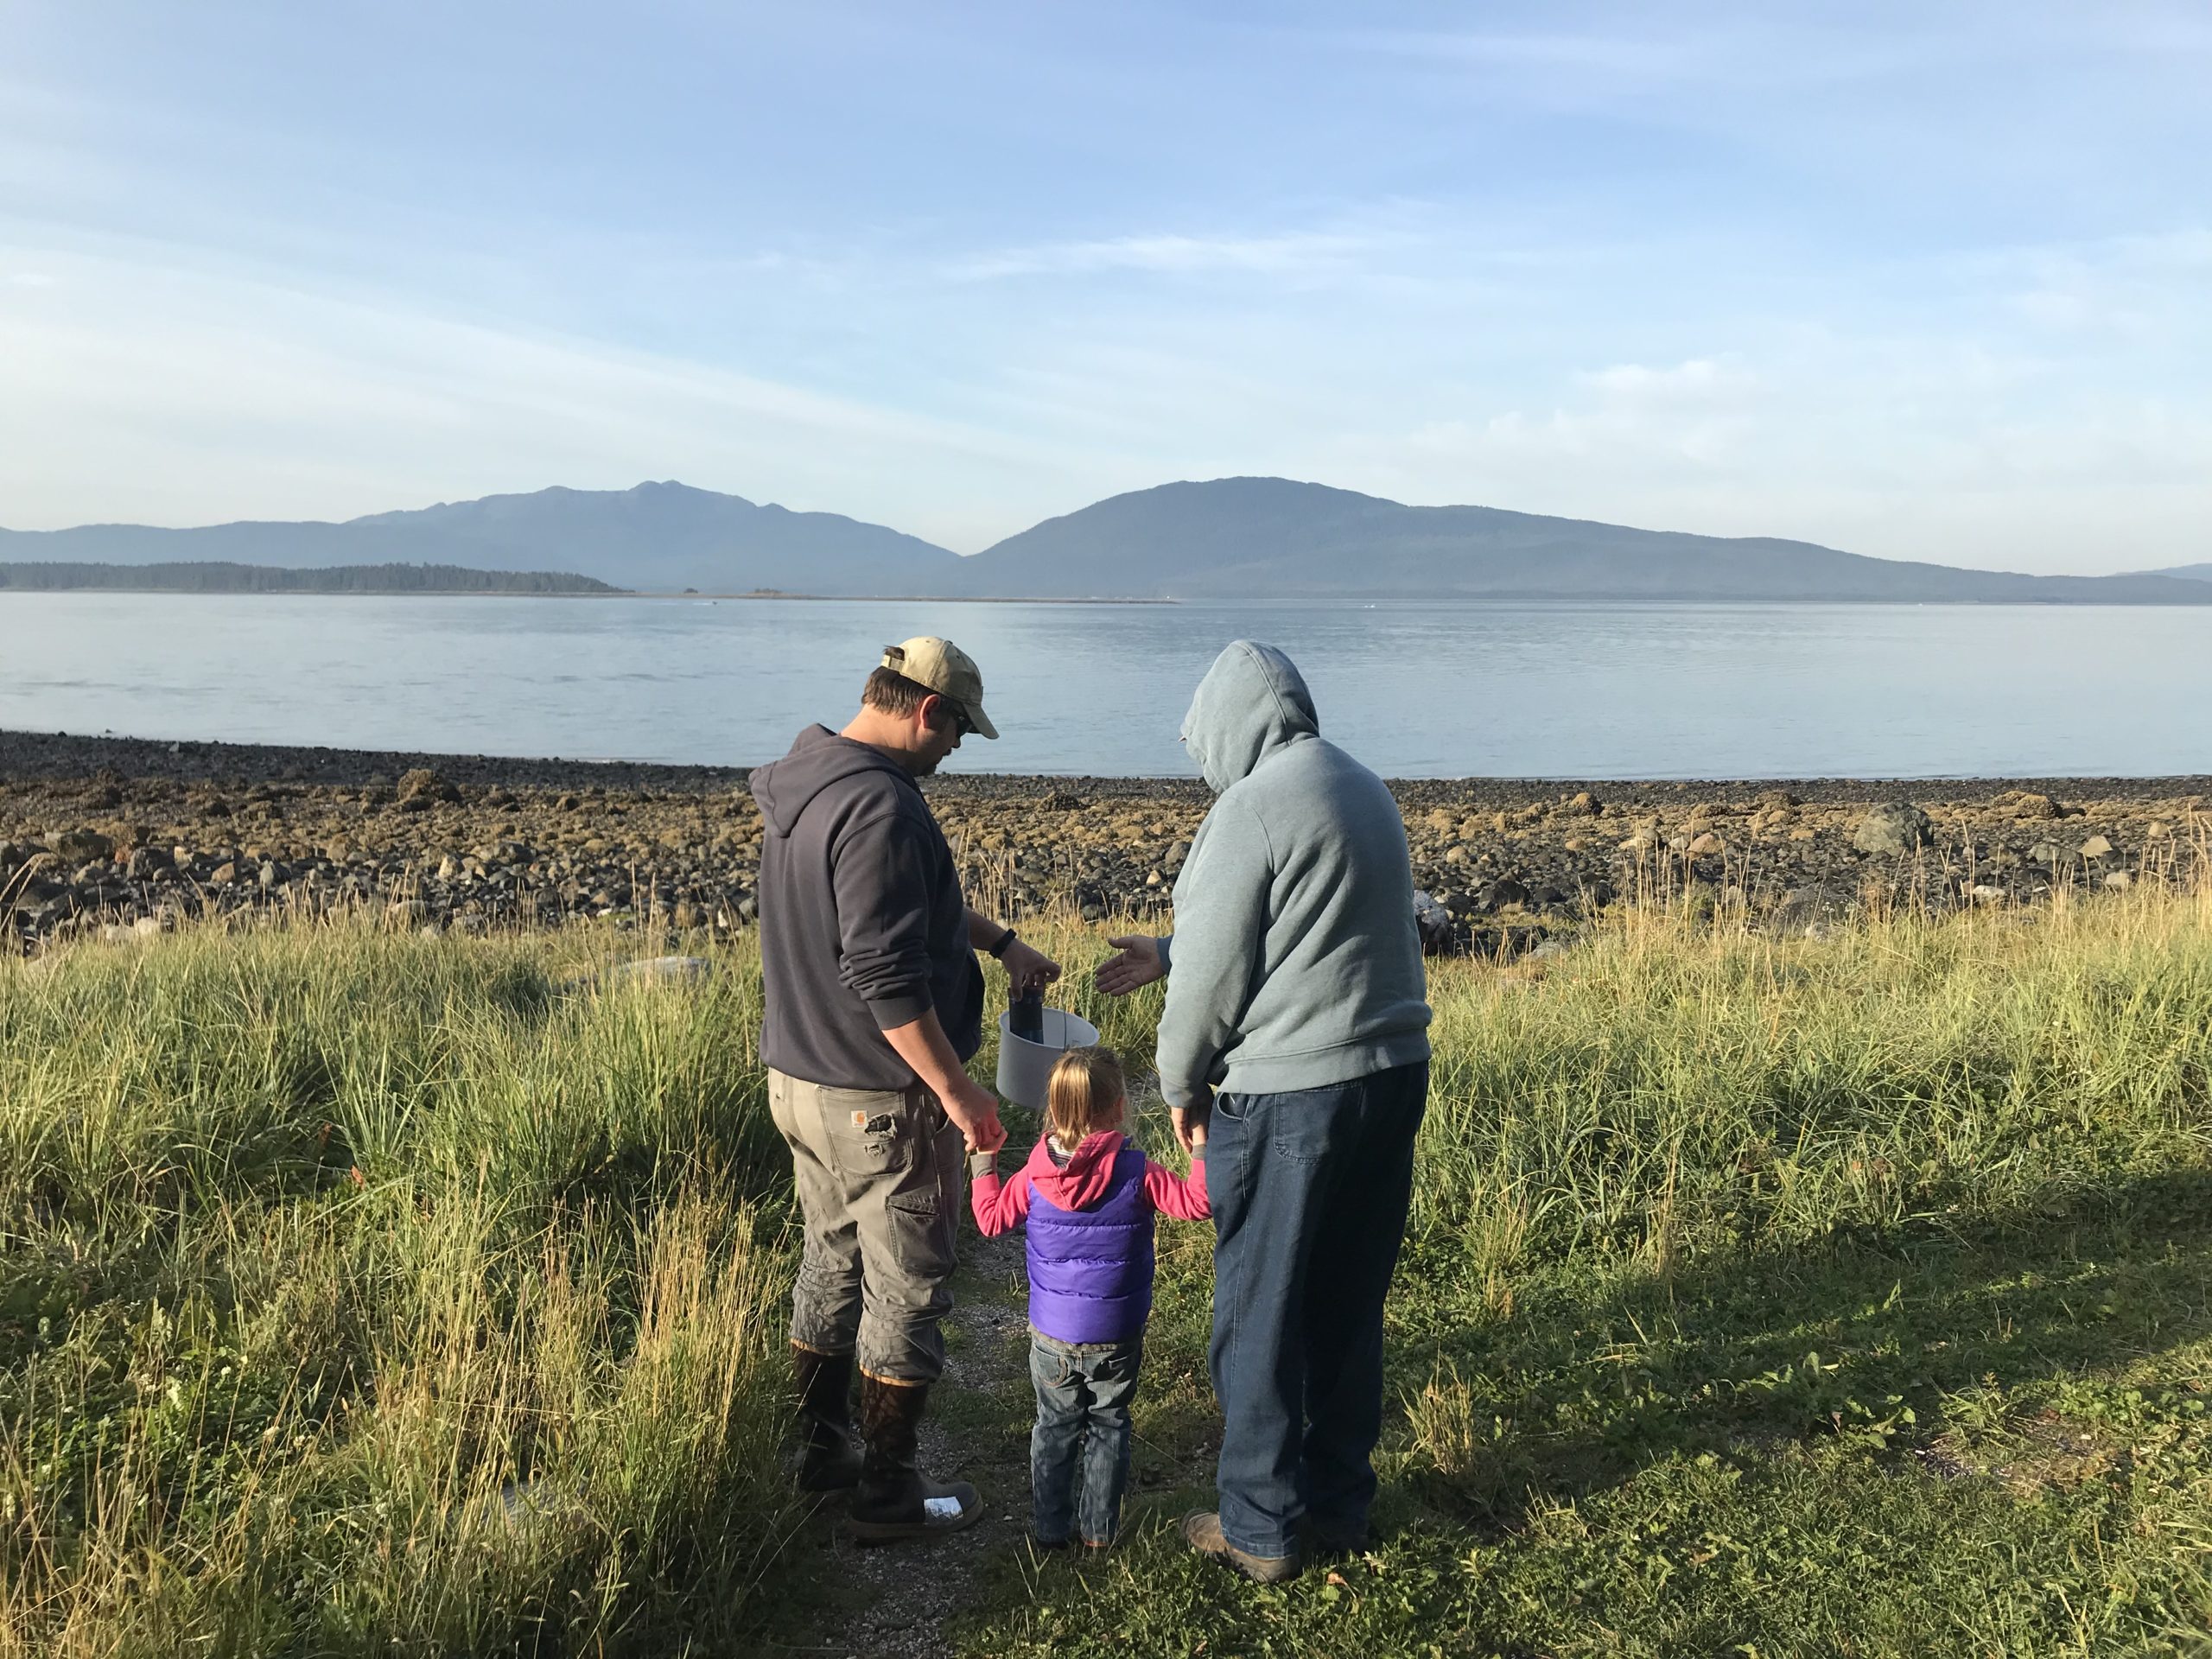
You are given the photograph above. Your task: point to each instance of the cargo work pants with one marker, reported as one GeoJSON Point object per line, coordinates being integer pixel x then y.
{"type": "Point", "coordinates": [881, 1178]}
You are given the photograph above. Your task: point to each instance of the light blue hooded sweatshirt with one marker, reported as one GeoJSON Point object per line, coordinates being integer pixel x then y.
{"type": "Point", "coordinates": [1295, 962]}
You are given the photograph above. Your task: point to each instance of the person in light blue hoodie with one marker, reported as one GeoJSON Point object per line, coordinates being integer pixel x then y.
{"type": "Point", "coordinates": [1297, 1022]}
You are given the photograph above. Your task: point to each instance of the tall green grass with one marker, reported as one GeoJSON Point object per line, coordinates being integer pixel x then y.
{"type": "Point", "coordinates": [370, 1294]}
{"type": "Point", "coordinates": [364, 1291]}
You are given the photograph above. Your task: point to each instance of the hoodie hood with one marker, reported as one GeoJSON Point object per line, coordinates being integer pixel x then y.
{"type": "Point", "coordinates": [1082, 1180]}
{"type": "Point", "coordinates": [1252, 702]}
{"type": "Point", "coordinates": [818, 758]}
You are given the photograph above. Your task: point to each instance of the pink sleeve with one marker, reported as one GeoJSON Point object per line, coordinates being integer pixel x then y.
{"type": "Point", "coordinates": [1183, 1198]}
{"type": "Point", "coordinates": [999, 1205]}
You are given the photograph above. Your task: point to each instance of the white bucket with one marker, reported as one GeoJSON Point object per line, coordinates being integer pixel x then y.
{"type": "Point", "coordinates": [1026, 1067]}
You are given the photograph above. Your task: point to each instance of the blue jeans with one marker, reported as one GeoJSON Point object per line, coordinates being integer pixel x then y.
{"type": "Point", "coordinates": [1083, 1416]}
{"type": "Point", "coordinates": [1310, 1191]}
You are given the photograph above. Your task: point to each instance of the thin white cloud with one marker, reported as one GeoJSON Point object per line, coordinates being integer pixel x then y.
{"type": "Point", "coordinates": [1171, 254]}
{"type": "Point", "coordinates": [1696, 380]}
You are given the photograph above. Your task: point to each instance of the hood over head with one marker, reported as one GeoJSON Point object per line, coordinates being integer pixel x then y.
{"type": "Point", "coordinates": [818, 758]}
{"type": "Point", "coordinates": [1082, 1180]}
{"type": "Point", "coordinates": [1252, 701]}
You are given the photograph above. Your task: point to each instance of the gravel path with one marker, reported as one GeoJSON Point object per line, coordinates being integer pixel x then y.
{"type": "Point", "coordinates": [903, 1596]}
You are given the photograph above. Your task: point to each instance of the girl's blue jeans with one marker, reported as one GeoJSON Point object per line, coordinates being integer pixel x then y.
{"type": "Point", "coordinates": [1083, 1418]}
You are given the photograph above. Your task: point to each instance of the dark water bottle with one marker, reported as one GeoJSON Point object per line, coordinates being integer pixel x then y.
{"type": "Point", "coordinates": [1026, 1014]}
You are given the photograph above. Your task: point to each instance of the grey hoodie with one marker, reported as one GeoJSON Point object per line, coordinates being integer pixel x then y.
{"type": "Point", "coordinates": [1294, 962]}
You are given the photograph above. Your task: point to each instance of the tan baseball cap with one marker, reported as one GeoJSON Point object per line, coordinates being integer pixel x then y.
{"type": "Point", "coordinates": [945, 668]}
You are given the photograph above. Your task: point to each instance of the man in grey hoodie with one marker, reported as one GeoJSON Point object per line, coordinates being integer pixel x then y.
{"type": "Point", "coordinates": [1297, 1020]}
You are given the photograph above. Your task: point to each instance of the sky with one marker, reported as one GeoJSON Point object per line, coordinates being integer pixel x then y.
{"type": "Point", "coordinates": [1918, 281]}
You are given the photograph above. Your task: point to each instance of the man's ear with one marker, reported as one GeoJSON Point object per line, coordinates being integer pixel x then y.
{"type": "Point", "coordinates": [933, 712]}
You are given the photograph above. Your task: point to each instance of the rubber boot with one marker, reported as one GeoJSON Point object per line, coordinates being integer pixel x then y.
{"type": "Point", "coordinates": [827, 1461]}
{"type": "Point", "coordinates": [894, 1500]}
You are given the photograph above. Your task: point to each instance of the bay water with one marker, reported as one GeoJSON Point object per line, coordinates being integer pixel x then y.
{"type": "Point", "coordinates": [1416, 689]}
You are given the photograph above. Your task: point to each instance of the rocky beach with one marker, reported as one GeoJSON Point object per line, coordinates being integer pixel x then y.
{"type": "Point", "coordinates": [123, 837]}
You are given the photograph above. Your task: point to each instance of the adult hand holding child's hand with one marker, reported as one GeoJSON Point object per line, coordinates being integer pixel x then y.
{"type": "Point", "coordinates": [976, 1111]}
{"type": "Point", "coordinates": [1191, 1123]}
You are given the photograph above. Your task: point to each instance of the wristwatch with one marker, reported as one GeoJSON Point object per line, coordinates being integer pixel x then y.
{"type": "Point", "coordinates": [997, 945]}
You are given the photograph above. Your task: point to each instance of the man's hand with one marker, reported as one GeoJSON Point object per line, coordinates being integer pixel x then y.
{"type": "Point", "coordinates": [1029, 967]}
{"type": "Point", "coordinates": [1138, 964]}
{"type": "Point", "coordinates": [922, 1045]}
{"type": "Point", "coordinates": [976, 1111]}
{"type": "Point", "coordinates": [1191, 1123]}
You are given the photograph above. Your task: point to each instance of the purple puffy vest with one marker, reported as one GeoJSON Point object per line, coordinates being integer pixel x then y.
{"type": "Point", "coordinates": [1090, 1270]}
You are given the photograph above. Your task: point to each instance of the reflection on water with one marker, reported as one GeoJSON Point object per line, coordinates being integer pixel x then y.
{"type": "Point", "coordinates": [1417, 691]}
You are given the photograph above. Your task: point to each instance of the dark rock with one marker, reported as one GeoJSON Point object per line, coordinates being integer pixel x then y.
{"type": "Point", "coordinates": [81, 846]}
{"type": "Point", "coordinates": [428, 786]}
{"type": "Point", "coordinates": [1895, 827]}
{"type": "Point", "coordinates": [1433, 920]}
{"type": "Point", "coordinates": [1796, 908]}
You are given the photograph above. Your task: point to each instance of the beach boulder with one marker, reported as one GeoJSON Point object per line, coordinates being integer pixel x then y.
{"type": "Point", "coordinates": [1894, 827]}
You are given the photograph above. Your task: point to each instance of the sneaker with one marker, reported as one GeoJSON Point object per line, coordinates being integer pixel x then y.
{"type": "Point", "coordinates": [1202, 1531]}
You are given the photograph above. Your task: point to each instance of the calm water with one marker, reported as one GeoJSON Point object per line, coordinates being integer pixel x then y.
{"type": "Point", "coordinates": [1417, 691]}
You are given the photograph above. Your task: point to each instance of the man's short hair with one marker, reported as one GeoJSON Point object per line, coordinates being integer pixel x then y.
{"type": "Point", "coordinates": [894, 692]}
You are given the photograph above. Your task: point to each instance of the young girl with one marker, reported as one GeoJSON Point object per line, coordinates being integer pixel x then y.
{"type": "Point", "coordinates": [1089, 1197]}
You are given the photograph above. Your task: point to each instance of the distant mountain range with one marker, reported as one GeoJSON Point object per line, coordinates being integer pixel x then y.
{"type": "Point", "coordinates": [1231, 537]}
{"type": "Point", "coordinates": [656, 537]}
{"type": "Point", "coordinates": [1243, 537]}
{"type": "Point", "coordinates": [221, 576]}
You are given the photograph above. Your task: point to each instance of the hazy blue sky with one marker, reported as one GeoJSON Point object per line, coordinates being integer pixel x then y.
{"type": "Point", "coordinates": [1917, 280]}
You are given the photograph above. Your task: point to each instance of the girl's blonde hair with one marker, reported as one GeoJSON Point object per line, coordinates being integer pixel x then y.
{"type": "Point", "coordinates": [1084, 1095]}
